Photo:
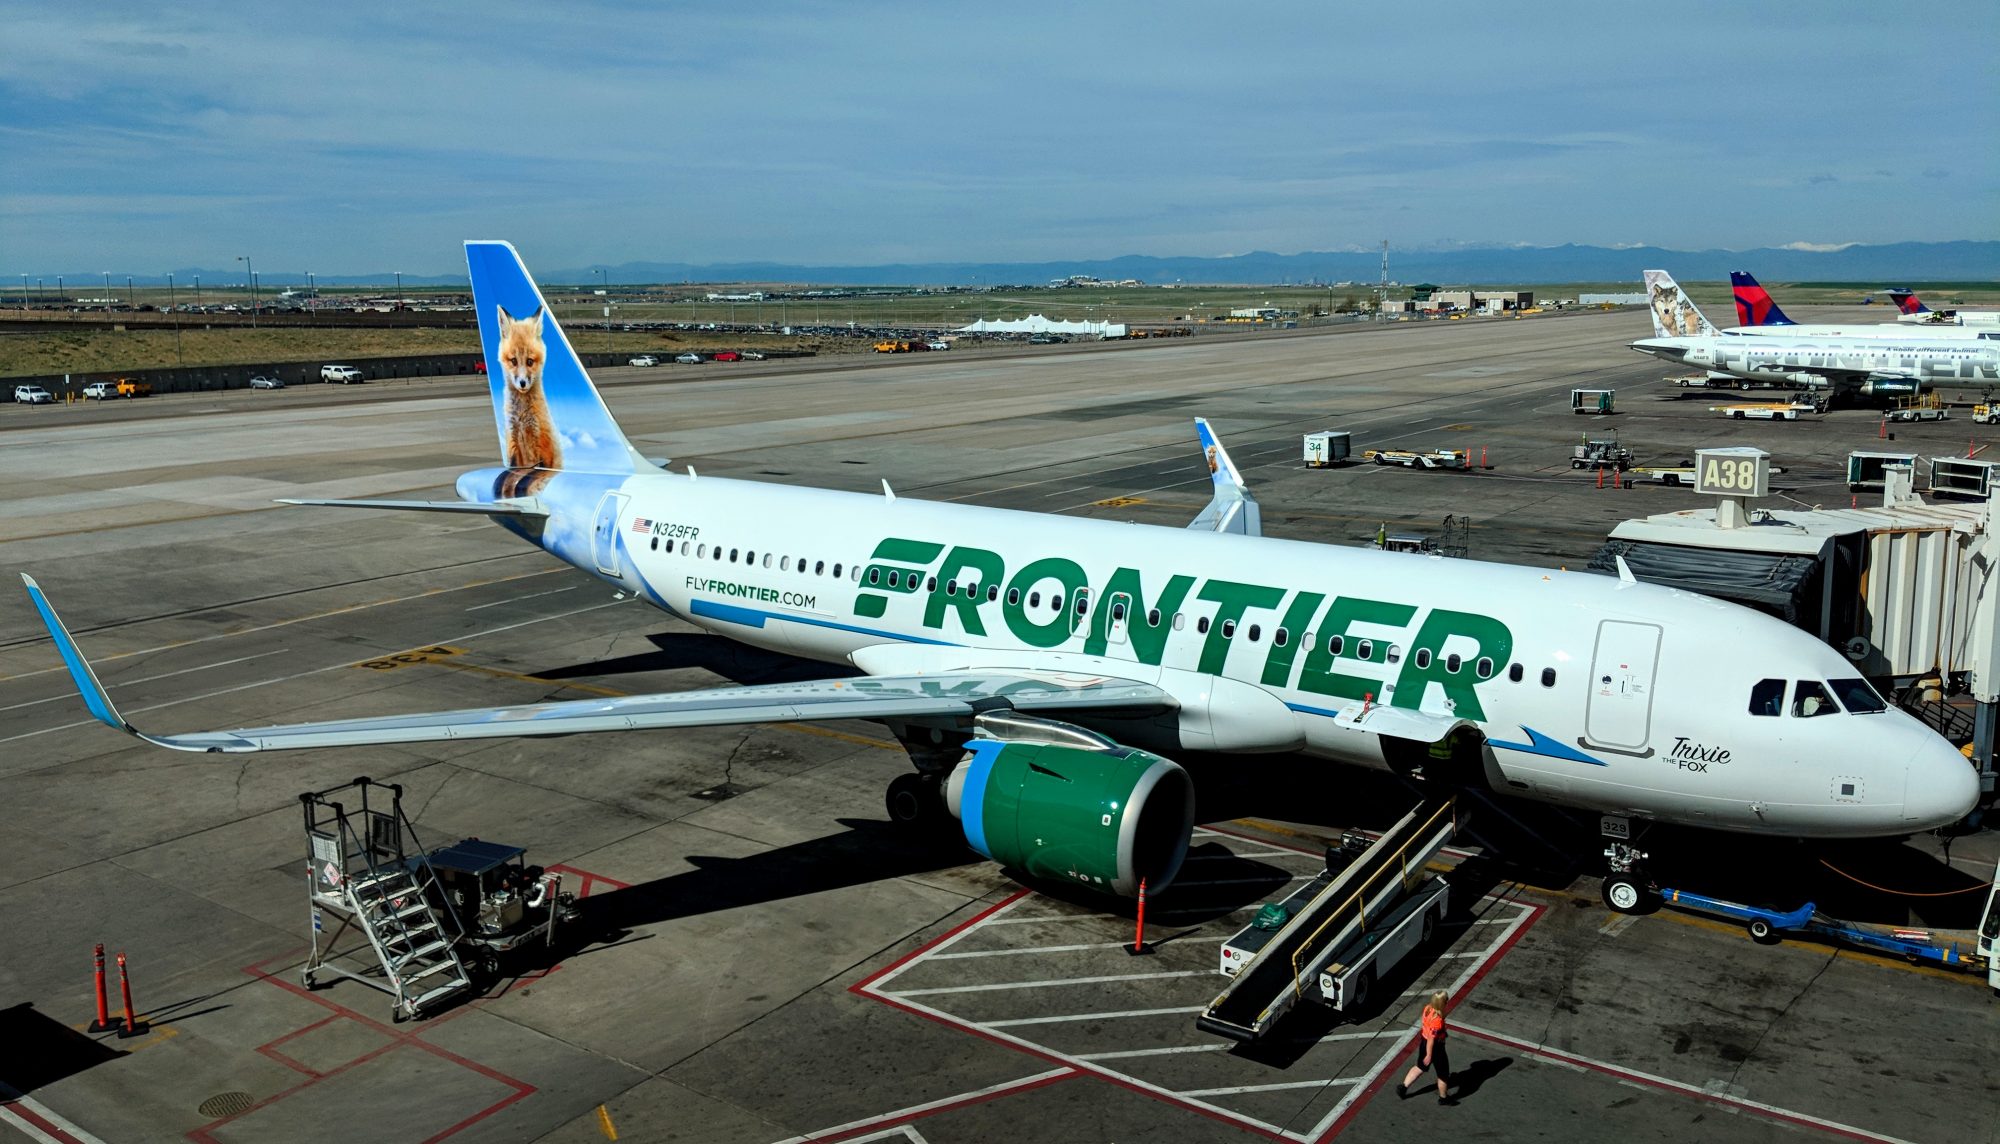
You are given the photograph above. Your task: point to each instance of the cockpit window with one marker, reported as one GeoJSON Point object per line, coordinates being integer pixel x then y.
{"type": "Point", "coordinates": [1767, 697]}
{"type": "Point", "coordinates": [1857, 696]}
{"type": "Point", "coordinates": [1810, 698]}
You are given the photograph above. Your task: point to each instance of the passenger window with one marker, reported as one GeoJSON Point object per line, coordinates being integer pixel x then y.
{"type": "Point", "coordinates": [1153, 618]}
{"type": "Point", "coordinates": [1335, 645]}
{"type": "Point", "coordinates": [1810, 697]}
{"type": "Point", "coordinates": [1857, 696]}
{"type": "Point", "coordinates": [784, 564]}
{"type": "Point", "coordinates": [1118, 610]}
{"type": "Point", "coordinates": [656, 544]}
{"type": "Point", "coordinates": [1548, 677]}
{"type": "Point", "coordinates": [1514, 673]}
{"type": "Point", "coordinates": [1201, 624]}
{"type": "Point", "coordinates": [819, 568]}
{"type": "Point", "coordinates": [1180, 620]}
{"type": "Point", "coordinates": [700, 551]}
{"type": "Point", "coordinates": [670, 547]}
{"type": "Point", "coordinates": [1013, 597]}
{"type": "Point", "coordinates": [1082, 602]}
{"type": "Point", "coordinates": [1394, 654]}
{"type": "Point", "coordinates": [951, 587]}
{"type": "Point", "coordinates": [767, 560]}
{"type": "Point", "coordinates": [1452, 664]}
{"type": "Point", "coordinates": [875, 577]}
{"type": "Point", "coordinates": [1767, 697]}
{"type": "Point", "coordinates": [1279, 638]}
{"type": "Point", "coordinates": [732, 556]}
{"type": "Point", "coordinates": [1034, 599]}
{"type": "Point", "coordinates": [749, 557]}
{"type": "Point", "coordinates": [1254, 632]}
{"type": "Point", "coordinates": [992, 592]}
{"type": "Point", "coordinates": [1423, 657]}
{"type": "Point", "coordinates": [1228, 629]}
{"type": "Point", "coordinates": [1056, 602]}
{"type": "Point", "coordinates": [854, 575]}
{"type": "Point", "coordinates": [1484, 668]}
{"type": "Point", "coordinates": [718, 552]}
{"type": "Point", "coordinates": [1365, 649]}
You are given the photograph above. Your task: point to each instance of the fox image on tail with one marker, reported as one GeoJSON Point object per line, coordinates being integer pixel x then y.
{"type": "Point", "coordinates": [532, 450]}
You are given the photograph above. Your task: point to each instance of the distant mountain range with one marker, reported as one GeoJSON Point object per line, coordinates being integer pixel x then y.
{"type": "Point", "coordinates": [1884, 265]}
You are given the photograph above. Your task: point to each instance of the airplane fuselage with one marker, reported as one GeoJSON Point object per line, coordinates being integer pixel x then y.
{"type": "Point", "coordinates": [1590, 692]}
{"type": "Point", "coordinates": [1873, 363]}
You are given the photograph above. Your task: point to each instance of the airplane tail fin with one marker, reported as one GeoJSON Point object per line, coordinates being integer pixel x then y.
{"type": "Point", "coordinates": [549, 415]}
{"type": "Point", "coordinates": [1908, 302]}
{"type": "Point", "coordinates": [1674, 315]}
{"type": "Point", "coordinates": [1754, 306]}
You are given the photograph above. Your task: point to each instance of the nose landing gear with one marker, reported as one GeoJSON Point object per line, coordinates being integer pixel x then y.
{"type": "Point", "coordinates": [1627, 889]}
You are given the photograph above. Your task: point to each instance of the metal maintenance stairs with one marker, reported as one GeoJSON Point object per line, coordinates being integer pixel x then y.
{"type": "Point", "coordinates": [367, 869]}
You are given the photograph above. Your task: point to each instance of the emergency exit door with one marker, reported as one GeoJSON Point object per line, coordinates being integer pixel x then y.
{"type": "Point", "coordinates": [605, 536]}
{"type": "Point", "coordinates": [1619, 713]}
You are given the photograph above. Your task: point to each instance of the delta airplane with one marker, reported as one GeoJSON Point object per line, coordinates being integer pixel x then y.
{"type": "Point", "coordinates": [1848, 360]}
{"type": "Point", "coordinates": [1676, 315]}
{"type": "Point", "coordinates": [1040, 668]}
{"type": "Point", "coordinates": [1913, 311]}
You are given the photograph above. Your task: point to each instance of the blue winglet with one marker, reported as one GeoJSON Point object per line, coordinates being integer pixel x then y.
{"type": "Point", "coordinates": [94, 696]}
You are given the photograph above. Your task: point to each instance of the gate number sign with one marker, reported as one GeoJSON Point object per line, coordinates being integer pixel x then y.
{"type": "Point", "coordinates": [1739, 472]}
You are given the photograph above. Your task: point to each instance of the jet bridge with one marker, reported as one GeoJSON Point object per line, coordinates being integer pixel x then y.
{"type": "Point", "coordinates": [1336, 915]}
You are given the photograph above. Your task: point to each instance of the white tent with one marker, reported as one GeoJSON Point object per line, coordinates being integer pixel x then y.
{"type": "Point", "coordinates": [1036, 324]}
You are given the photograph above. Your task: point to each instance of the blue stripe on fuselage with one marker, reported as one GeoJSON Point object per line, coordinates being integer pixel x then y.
{"type": "Point", "coordinates": [1540, 744]}
{"type": "Point", "coordinates": [755, 617]}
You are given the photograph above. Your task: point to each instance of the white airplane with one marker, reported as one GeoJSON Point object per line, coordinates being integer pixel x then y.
{"type": "Point", "coordinates": [1676, 315]}
{"type": "Point", "coordinates": [1880, 361]}
{"type": "Point", "coordinates": [1914, 312]}
{"type": "Point", "coordinates": [1036, 664]}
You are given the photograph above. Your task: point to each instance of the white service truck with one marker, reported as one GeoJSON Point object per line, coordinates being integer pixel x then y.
{"type": "Point", "coordinates": [1327, 448]}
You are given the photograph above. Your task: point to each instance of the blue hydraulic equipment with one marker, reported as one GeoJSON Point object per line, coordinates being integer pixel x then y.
{"type": "Point", "coordinates": [1769, 927]}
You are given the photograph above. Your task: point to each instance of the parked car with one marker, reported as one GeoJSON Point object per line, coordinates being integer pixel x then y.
{"type": "Point", "coordinates": [939, 345]}
{"type": "Point", "coordinates": [728, 355]}
{"type": "Point", "coordinates": [340, 373]}
{"type": "Point", "coordinates": [33, 395]}
{"type": "Point", "coordinates": [644, 359]}
{"type": "Point", "coordinates": [100, 390]}
{"type": "Point", "coordinates": [752, 355]}
{"type": "Point", "coordinates": [129, 388]}
{"type": "Point", "coordinates": [688, 358]}
{"type": "Point", "coordinates": [266, 381]}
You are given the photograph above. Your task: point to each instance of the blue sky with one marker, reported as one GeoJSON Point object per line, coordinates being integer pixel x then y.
{"type": "Point", "coordinates": [342, 138]}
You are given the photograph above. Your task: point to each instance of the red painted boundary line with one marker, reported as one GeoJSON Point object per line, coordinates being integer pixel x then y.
{"type": "Point", "coordinates": [1535, 913]}
{"type": "Point", "coordinates": [41, 1123]}
{"type": "Point", "coordinates": [1680, 1088]}
{"type": "Point", "coordinates": [397, 1039]}
{"type": "Point", "coordinates": [891, 1120]}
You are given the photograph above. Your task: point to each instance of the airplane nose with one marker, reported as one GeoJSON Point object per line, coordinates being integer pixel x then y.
{"type": "Point", "coordinates": [1939, 788]}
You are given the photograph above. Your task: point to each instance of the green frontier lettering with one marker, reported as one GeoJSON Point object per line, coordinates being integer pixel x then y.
{"type": "Point", "coordinates": [1493, 640]}
{"type": "Point", "coordinates": [1231, 600]}
{"type": "Point", "coordinates": [895, 577]}
{"type": "Point", "coordinates": [1298, 618]}
{"type": "Point", "coordinates": [1149, 641]}
{"type": "Point", "coordinates": [1342, 614]}
{"type": "Point", "coordinates": [1065, 572]}
{"type": "Point", "coordinates": [988, 569]}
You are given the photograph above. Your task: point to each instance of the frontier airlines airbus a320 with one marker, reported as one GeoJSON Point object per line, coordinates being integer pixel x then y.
{"type": "Point", "coordinates": [1040, 667]}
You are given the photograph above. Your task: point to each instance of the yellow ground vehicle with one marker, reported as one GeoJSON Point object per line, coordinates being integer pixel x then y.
{"type": "Point", "coordinates": [129, 388]}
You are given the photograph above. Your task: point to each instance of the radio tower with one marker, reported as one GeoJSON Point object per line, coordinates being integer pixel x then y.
{"type": "Point", "coordinates": [1382, 290]}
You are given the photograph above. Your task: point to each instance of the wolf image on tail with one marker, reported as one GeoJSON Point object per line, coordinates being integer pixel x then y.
{"type": "Point", "coordinates": [1674, 314]}
{"type": "Point", "coordinates": [532, 451]}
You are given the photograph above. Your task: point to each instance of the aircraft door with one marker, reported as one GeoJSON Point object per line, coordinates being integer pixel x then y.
{"type": "Point", "coordinates": [1619, 713]}
{"type": "Point", "coordinates": [604, 540]}
{"type": "Point", "coordinates": [1118, 620]}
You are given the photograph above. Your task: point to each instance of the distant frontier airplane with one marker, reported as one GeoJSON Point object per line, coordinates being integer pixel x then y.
{"type": "Point", "coordinates": [1034, 664]}
{"type": "Point", "coordinates": [1869, 360]}
{"type": "Point", "coordinates": [1913, 311]}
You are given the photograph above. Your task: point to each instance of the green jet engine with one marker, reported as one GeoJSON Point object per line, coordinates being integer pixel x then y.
{"type": "Point", "coordinates": [1075, 807]}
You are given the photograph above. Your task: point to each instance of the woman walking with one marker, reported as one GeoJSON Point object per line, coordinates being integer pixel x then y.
{"type": "Point", "coordinates": [1430, 1050]}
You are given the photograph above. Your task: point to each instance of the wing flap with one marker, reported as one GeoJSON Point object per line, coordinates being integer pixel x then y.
{"type": "Point", "coordinates": [518, 507]}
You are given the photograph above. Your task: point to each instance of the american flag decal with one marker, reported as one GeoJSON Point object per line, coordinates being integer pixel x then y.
{"type": "Point", "coordinates": [641, 524]}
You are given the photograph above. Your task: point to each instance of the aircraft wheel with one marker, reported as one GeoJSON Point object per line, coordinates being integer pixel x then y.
{"type": "Point", "coordinates": [1627, 895]}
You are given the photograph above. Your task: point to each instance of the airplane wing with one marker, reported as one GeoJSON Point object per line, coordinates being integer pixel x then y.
{"type": "Point", "coordinates": [1233, 509]}
{"type": "Point", "coordinates": [936, 695]}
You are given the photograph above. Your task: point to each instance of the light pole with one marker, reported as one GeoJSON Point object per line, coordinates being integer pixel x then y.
{"type": "Point", "coordinates": [312, 294]}
{"type": "Point", "coordinates": [131, 301]}
{"type": "Point", "coordinates": [109, 297]}
{"type": "Point", "coordinates": [197, 291]}
{"type": "Point", "coordinates": [24, 293]}
{"type": "Point", "coordinates": [605, 277]}
{"type": "Point", "coordinates": [399, 291]}
{"type": "Point", "coordinates": [252, 272]}
{"type": "Point", "coordinates": [59, 290]}
{"type": "Point", "coordinates": [171, 309]}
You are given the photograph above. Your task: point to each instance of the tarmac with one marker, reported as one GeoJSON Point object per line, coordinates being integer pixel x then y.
{"type": "Point", "coordinates": [760, 956]}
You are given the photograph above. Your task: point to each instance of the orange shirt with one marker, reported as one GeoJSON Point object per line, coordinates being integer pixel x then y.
{"type": "Point", "coordinates": [1433, 1026]}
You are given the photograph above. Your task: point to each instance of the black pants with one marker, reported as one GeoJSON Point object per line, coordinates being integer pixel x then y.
{"type": "Point", "coordinates": [1440, 1061]}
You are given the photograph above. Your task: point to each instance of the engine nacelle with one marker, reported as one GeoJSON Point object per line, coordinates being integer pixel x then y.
{"type": "Point", "coordinates": [1891, 387]}
{"type": "Point", "coordinates": [1100, 818]}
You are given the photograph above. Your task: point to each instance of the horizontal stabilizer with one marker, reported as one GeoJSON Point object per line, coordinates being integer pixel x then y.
{"type": "Point", "coordinates": [489, 508]}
